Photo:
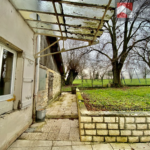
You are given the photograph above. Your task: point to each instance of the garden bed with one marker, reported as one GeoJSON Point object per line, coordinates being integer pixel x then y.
{"type": "Point", "coordinates": [122, 99]}
{"type": "Point", "coordinates": [112, 126]}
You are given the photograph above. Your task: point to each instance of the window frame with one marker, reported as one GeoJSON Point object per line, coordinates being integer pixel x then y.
{"type": "Point", "coordinates": [8, 96]}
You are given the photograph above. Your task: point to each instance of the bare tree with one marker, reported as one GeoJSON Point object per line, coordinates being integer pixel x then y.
{"type": "Point", "coordinates": [99, 68]}
{"type": "Point", "coordinates": [83, 74]}
{"type": "Point", "coordinates": [131, 73]}
{"type": "Point", "coordinates": [142, 52]}
{"type": "Point", "coordinates": [74, 62]}
{"type": "Point", "coordinates": [120, 38]}
{"type": "Point", "coordinates": [104, 66]}
{"type": "Point", "coordinates": [144, 70]}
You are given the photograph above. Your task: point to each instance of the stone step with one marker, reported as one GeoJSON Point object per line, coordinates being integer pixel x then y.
{"type": "Point", "coordinates": [62, 116]}
{"type": "Point", "coordinates": [30, 143]}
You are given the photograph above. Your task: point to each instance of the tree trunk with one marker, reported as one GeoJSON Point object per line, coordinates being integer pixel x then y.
{"type": "Point", "coordinates": [116, 75]}
{"type": "Point", "coordinates": [63, 81]}
{"type": "Point", "coordinates": [71, 77]}
{"type": "Point", "coordinates": [102, 81]}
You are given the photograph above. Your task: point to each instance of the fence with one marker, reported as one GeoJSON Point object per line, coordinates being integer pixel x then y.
{"type": "Point", "coordinates": [98, 83]}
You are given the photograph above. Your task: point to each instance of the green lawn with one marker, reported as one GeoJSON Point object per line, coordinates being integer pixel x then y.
{"type": "Point", "coordinates": [66, 88]}
{"type": "Point", "coordinates": [122, 99]}
{"type": "Point", "coordinates": [98, 83]}
{"type": "Point", "coordinates": [88, 83]}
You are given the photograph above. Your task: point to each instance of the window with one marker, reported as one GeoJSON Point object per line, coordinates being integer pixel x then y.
{"type": "Point", "coordinates": [42, 79]}
{"type": "Point", "coordinates": [7, 72]}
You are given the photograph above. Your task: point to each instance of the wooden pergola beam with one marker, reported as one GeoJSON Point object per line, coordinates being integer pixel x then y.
{"type": "Point", "coordinates": [101, 22]}
{"type": "Point", "coordinates": [71, 16]}
{"type": "Point", "coordinates": [62, 51]}
{"type": "Point", "coordinates": [74, 26]}
{"type": "Point", "coordinates": [66, 32]}
{"type": "Point", "coordinates": [71, 38]}
{"type": "Point", "coordinates": [47, 47]}
{"type": "Point", "coordinates": [57, 17]}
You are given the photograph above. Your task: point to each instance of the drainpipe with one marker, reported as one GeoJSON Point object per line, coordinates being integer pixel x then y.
{"type": "Point", "coordinates": [36, 77]}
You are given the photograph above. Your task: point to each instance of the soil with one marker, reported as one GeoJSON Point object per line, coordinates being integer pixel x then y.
{"type": "Point", "coordinates": [92, 107]}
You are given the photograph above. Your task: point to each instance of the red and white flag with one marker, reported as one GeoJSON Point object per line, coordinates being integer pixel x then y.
{"type": "Point", "coordinates": [124, 10]}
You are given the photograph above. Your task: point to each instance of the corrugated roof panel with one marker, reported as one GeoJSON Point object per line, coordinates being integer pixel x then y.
{"type": "Point", "coordinates": [36, 5]}
{"type": "Point", "coordinates": [82, 31]}
{"type": "Point", "coordinates": [48, 32]}
{"type": "Point", "coordinates": [83, 11]}
{"type": "Point", "coordinates": [81, 22]}
{"type": "Point", "coordinates": [83, 15]}
{"type": "Point", "coordinates": [43, 17]}
{"type": "Point", "coordinates": [37, 24]}
{"type": "Point", "coordinates": [79, 36]}
{"type": "Point", "coordinates": [62, 28]}
{"type": "Point", "coordinates": [95, 2]}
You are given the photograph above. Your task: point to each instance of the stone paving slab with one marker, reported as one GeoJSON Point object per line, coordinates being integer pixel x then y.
{"type": "Point", "coordinates": [102, 147]}
{"type": "Point", "coordinates": [65, 107]}
{"type": "Point", "coordinates": [62, 148]}
{"type": "Point", "coordinates": [22, 143]}
{"type": "Point", "coordinates": [73, 145]}
{"type": "Point", "coordinates": [20, 148]}
{"type": "Point", "coordinates": [140, 146]}
{"type": "Point", "coordinates": [52, 130]}
{"type": "Point", "coordinates": [82, 147]}
{"type": "Point", "coordinates": [120, 145]}
{"type": "Point", "coordinates": [41, 148]}
{"type": "Point", "coordinates": [62, 143]}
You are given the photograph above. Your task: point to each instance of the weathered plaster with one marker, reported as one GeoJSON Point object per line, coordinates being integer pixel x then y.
{"type": "Point", "coordinates": [12, 125]}
{"type": "Point", "coordinates": [15, 30]}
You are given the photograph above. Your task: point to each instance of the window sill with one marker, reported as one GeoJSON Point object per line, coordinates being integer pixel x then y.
{"type": "Point", "coordinates": [6, 98]}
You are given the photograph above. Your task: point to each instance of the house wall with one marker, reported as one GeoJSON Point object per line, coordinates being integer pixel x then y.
{"type": "Point", "coordinates": [42, 99]}
{"type": "Point", "coordinates": [49, 64]}
{"type": "Point", "coordinates": [53, 88]}
{"type": "Point", "coordinates": [14, 29]}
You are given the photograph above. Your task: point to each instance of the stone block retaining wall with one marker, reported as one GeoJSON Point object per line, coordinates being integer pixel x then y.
{"type": "Point", "coordinates": [113, 126]}
{"type": "Point", "coordinates": [115, 129]}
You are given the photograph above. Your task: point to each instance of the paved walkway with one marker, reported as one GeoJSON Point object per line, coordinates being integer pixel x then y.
{"type": "Point", "coordinates": [65, 107]}
{"type": "Point", "coordinates": [63, 134]}
{"type": "Point", "coordinates": [73, 145]}
{"type": "Point", "coordinates": [53, 130]}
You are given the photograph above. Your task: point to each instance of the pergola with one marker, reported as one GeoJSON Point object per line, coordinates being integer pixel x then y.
{"type": "Point", "coordinates": [66, 19]}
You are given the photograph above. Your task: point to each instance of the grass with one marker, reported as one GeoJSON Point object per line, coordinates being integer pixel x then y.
{"type": "Point", "coordinates": [66, 89]}
{"type": "Point", "coordinates": [98, 83]}
{"type": "Point", "coordinates": [122, 99]}
{"type": "Point", "coordinates": [88, 82]}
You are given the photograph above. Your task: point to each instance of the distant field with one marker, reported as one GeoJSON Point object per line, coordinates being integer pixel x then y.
{"type": "Point", "coordinates": [88, 83]}
{"type": "Point", "coordinates": [98, 83]}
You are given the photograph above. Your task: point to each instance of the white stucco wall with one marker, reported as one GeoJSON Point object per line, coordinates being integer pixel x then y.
{"type": "Point", "coordinates": [14, 29]}
{"type": "Point", "coordinates": [12, 125]}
